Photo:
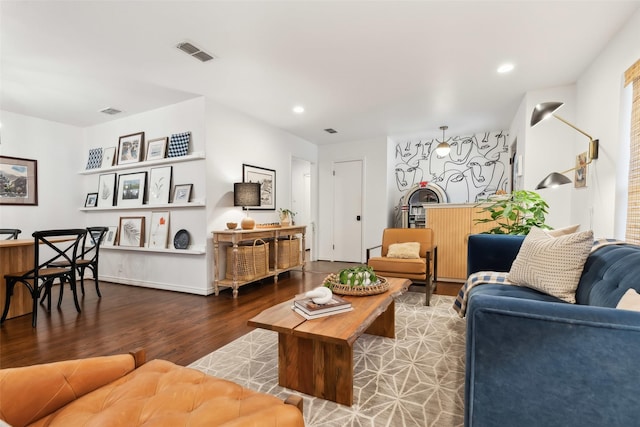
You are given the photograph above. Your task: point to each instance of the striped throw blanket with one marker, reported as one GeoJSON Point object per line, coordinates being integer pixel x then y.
{"type": "Point", "coordinates": [502, 278]}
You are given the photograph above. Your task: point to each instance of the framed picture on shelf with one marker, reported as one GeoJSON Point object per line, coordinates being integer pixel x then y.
{"type": "Point", "coordinates": [131, 189]}
{"type": "Point", "coordinates": [21, 186]}
{"type": "Point", "coordinates": [131, 231]}
{"type": "Point", "coordinates": [130, 148]}
{"type": "Point", "coordinates": [160, 185]}
{"type": "Point", "coordinates": [111, 237]}
{"type": "Point", "coordinates": [108, 156]}
{"type": "Point", "coordinates": [159, 230]}
{"type": "Point", "coordinates": [156, 148]}
{"type": "Point", "coordinates": [182, 193]}
{"type": "Point", "coordinates": [267, 180]}
{"type": "Point", "coordinates": [91, 200]}
{"type": "Point", "coordinates": [95, 158]}
{"type": "Point", "coordinates": [106, 190]}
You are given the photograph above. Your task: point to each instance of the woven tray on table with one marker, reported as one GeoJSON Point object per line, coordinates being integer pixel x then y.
{"type": "Point", "coordinates": [360, 291]}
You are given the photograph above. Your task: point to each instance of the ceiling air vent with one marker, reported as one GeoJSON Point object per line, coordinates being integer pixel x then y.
{"type": "Point", "coordinates": [329, 130]}
{"type": "Point", "coordinates": [111, 111]}
{"type": "Point", "coordinates": [194, 51]}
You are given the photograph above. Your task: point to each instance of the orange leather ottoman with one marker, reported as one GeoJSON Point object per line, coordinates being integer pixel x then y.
{"type": "Point", "coordinates": [117, 391]}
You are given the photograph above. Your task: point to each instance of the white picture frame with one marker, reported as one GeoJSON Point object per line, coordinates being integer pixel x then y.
{"type": "Point", "coordinates": [108, 156]}
{"type": "Point", "coordinates": [111, 236]}
{"type": "Point", "coordinates": [157, 148]}
{"type": "Point", "coordinates": [160, 185]}
{"type": "Point", "coordinates": [159, 229]}
{"type": "Point", "coordinates": [131, 189]}
{"type": "Point", "coordinates": [106, 190]}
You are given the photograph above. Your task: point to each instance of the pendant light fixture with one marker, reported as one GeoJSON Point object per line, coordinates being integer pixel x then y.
{"type": "Point", "coordinates": [443, 147]}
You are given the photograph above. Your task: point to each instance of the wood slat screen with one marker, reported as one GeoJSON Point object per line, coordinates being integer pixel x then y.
{"type": "Point", "coordinates": [633, 204]}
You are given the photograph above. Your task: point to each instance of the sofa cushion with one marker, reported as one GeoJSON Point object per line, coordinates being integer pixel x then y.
{"type": "Point", "coordinates": [161, 393]}
{"type": "Point", "coordinates": [552, 265]}
{"type": "Point", "coordinates": [630, 300]}
{"type": "Point", "coordinates": [563, 231]}
{"type": "Point", "coordinates": [409, 250]}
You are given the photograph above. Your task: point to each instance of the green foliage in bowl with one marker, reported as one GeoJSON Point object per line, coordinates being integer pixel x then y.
{"type": "Point", "coordinates": [356, 276]}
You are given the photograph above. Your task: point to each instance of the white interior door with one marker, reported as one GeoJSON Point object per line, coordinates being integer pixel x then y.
{"type": "Point", "coordinates": [347, 211]}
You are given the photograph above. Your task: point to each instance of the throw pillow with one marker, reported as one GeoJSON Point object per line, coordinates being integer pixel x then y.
{"type": "Point", "coordinates": [630, 300]}
{"type": "Point", "coordinates": [552, 265]}
{"type": "Point", "coordinates": [407, 250]}
{"type": "Point", "coordinates": [563, 231]}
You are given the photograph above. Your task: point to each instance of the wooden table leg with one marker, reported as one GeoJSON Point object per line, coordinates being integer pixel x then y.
{"type": "Point", "coordinates": [318, 368]}
{"type": "Point", "coordinates": [385, 324]}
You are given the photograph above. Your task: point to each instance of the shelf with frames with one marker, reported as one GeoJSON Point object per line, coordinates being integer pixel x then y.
{"type": "Point", "coordinates": [167, 160]}
{"type": "Point", "coordinates": [194, 204]}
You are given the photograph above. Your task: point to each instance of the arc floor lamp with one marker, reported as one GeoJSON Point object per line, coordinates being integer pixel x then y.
{"type": "Point", "coordinates": [546, 110]}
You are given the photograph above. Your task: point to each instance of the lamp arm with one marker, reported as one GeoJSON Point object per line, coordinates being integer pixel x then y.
{"type": "Point", "coordinates": [572, 169]}
{"type": "Point", "coordinates": [569, 124]}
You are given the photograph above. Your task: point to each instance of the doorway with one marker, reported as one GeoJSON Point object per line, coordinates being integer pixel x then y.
{"type": "Point", "coordinates": [347, 211]}
{"type": "Point", "coordinates": [301, 201]}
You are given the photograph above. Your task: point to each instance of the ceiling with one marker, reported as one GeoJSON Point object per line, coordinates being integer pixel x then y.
{"type": "Point", "coordinates": [366, 69]}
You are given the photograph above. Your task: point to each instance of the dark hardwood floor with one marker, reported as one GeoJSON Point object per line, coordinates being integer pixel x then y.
{"type": "Point", "coordinates": [169, 325]}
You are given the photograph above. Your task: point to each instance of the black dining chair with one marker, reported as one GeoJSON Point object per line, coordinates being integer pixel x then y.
{"type": "Point", "coordinates": [87, 258]}
{"type": "Point", "coordinates": [60, 245]}
{"type": "Point", "coordinates": [10, 233]}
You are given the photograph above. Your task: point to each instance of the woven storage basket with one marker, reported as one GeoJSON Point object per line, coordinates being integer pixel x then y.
{"type": "Point", "coordinates": [288, 253]}
{"type": "Point", "coordinates": [359, 291]}
{"type": "Point", "coordinates": [253, 261]}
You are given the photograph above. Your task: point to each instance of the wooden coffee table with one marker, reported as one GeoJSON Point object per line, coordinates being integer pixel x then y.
{"type": "Point", "coordinates": [316, 356]}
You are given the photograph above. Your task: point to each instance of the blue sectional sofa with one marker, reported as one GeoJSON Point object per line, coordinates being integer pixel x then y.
{"type": "Point", "coordinates": [534, 360]}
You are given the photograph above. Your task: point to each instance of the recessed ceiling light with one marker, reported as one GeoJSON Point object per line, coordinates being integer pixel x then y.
{"type": "Point", "coordinates": [298, 109]}
{"type": "Point", "coordinates": [505, 68]}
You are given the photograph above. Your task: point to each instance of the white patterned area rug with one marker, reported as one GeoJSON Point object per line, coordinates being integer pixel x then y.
{"type": "Point", "coordinates": [414, 380]}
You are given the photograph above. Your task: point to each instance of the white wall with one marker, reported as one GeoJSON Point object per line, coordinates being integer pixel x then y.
{"type": "Point", "coordinates": [172, 271]}
{"type": "Point", "coordinates": [234, 138]}
{"type": "Point", "coordinates": [60, 154]}
{"type": "Point", "coordinates": [600, 96]}
{"type": "Point", "coordinates": [373, 152]}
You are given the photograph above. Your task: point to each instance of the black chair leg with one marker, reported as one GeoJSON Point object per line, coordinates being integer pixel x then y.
{"type": "Point", "coordinates": [72, 283]}
{"type": "Point", "coordinates": [81, 272]}
{"type": "Point", "coordinates": [7, 300]}
{"type": "Point", "coordinates": [34, 295]}
{"type": "Point", "coordinates": [95, 278]}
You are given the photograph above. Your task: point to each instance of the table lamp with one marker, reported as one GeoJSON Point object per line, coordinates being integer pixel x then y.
{"type": "Point", "coordinates": [246, 194]}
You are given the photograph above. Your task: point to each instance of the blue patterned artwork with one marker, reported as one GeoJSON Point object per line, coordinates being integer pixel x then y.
{"type": "Point", "coordinates": [179, 144]}
{"type": "Point", "coordinates": [95, 158]}
{"type": "Point", "coordinates": [476, 167]}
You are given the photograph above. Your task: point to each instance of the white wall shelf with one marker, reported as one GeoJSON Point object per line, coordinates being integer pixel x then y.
{"type": "Point", "coordinates": [194, 251]}
{"type": "Point", "coordinates": [144, 164]}
{"type": "Point", "coordinates": [194, 204]}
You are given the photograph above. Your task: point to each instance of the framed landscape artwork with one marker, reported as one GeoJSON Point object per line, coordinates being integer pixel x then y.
{"type": "Point", "coordinates": [131, 231]}
{"type": "Point", "coordinates": [182, 193]}
{"type": "Point", "coordinates": [156, 148]}
{"type": "Point", "coordinates": [130, 148]}
{"type": "Point", "coordinates": [91, 201]}
{"type": "Point", "coordinates": [267, 180]}
{"type": "Point", "coordinates": [131, 188]}
{"type": "Point", "coordinates": [19, 179]}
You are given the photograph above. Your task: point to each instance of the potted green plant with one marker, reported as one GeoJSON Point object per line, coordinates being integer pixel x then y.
{"type": "Point", "coordinates": [515, 213]}
{"type": "Point", "coordinates": [286, 217]}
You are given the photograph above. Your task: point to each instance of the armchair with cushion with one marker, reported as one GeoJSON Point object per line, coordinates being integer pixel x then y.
{"type": "Point", "coordinates": [409, 253]}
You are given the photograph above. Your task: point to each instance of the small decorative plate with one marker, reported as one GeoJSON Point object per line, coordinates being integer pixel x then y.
{"type": "Point", "coordinates": [181, 240]}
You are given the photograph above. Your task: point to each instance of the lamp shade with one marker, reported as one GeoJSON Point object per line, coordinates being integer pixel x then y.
{"type": "Point", "coordinates": [443, 149]}
{"type": "Point", "coordinates": [553, 180]}
{"type": "Point", "coordinates": [544, 110]}
{"type": "Point", "coordinates": [246, 194]}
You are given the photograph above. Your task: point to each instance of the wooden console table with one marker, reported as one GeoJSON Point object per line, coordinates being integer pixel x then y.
{"type": "Point", "coordinates": [234, 237]}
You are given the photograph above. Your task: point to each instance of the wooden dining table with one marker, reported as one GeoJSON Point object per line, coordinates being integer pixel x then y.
{"type": "Point", "coordinates": [17, 255]}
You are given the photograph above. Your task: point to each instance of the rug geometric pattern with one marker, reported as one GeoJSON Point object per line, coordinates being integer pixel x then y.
{"type": "Point", "coordinates": [416, 379]}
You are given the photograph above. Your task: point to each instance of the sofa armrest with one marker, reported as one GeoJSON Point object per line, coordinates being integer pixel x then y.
{"type": "Point", "coordinates": [492, 252]}
{"type": "Point", "coordinates": [32, 392]}
{"type": "Point", "coordinates": [537, 363]}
